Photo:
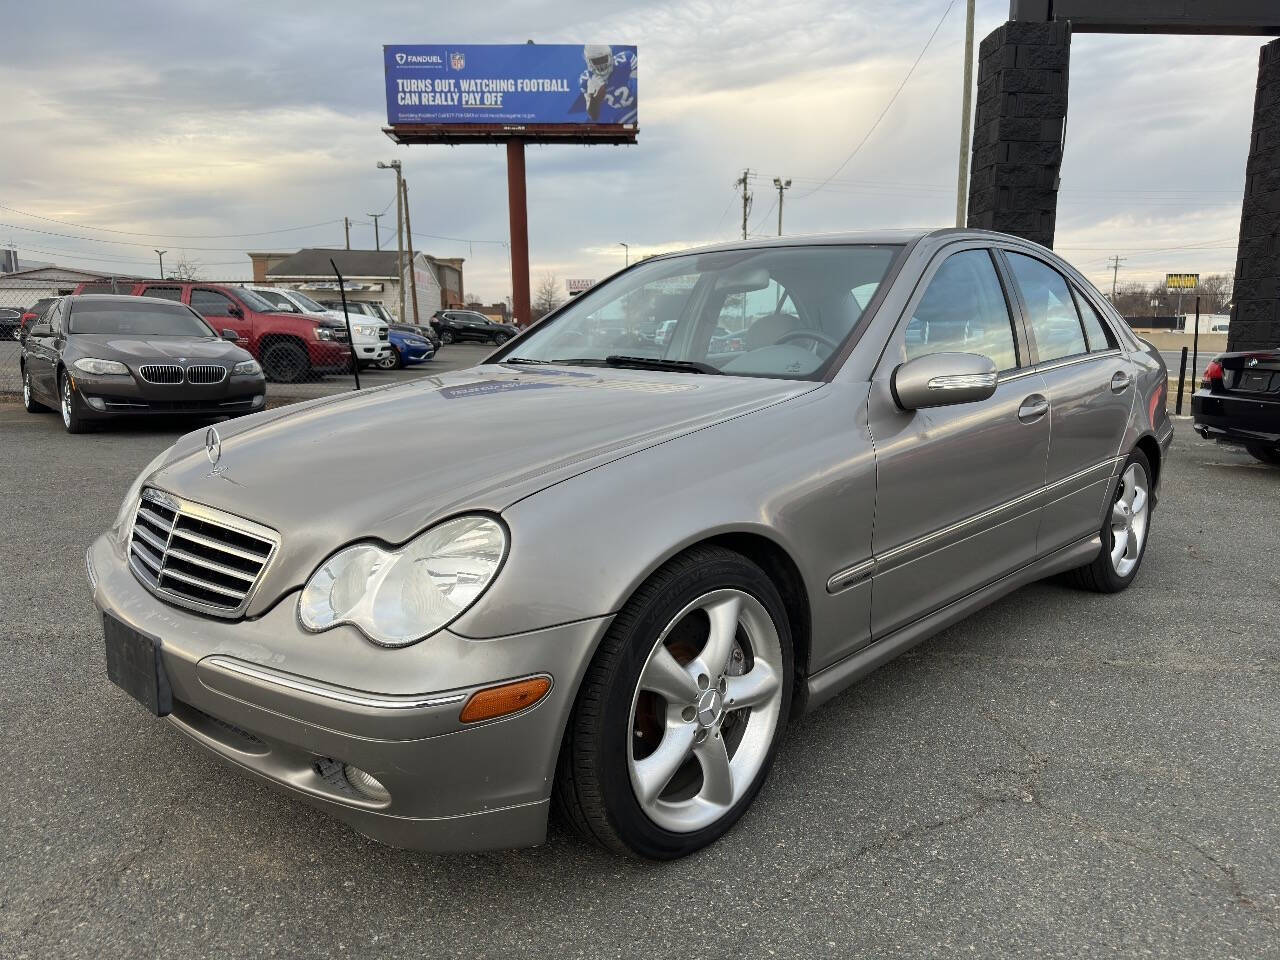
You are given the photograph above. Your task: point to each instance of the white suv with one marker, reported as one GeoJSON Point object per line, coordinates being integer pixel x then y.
{"type": "Point", "coordinates": [370, 340]}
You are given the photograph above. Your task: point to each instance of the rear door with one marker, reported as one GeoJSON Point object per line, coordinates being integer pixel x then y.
{"type": "Point", "coordinates": [957, 487]}
{"type": "Point", "coordinates": [1089, 384]}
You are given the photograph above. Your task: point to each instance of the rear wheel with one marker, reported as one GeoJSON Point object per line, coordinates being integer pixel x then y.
{"type": "Point", "coordinates": [681, 711]}
{"type": "Point", "coordinates": [285, 362]}
{"type": "Point", "coordinates": [446, 337]}
{"type": "Point", "coordinates": [72, 417]}
{"type": "Point", "coordinates": [29, 402]}
{"type": "Point", "coordinates": [1124, 532]}
{"type": "Point", "coordinates": [1269, 455]}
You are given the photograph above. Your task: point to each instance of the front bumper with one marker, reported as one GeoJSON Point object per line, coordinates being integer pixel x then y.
{"type": "Point", "coordinates": [114, 396]}
{"type": "Point", "coordinates": [1234, 418]}
{"type": "Point", "coordinates": [291, 707]}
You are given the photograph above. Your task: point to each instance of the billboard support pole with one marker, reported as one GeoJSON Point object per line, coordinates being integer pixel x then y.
{"type": "Point", "coordinates": [408, 235]}
{"type": "Point", "coordinates": [519, 212]}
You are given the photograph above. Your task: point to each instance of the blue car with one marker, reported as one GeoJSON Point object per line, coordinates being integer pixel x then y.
{"type": "Point", "coordinates": [406, 348]}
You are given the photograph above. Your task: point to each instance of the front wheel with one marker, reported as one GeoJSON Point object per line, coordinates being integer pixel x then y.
{"type": "Point", "coordinates": [286, 362]}
{"type": "Point", "coordinates": [390, 362]}
{"type": "Point", "coordinates": [1268, 455]}
{"type": "Point", "coordinates": [1124, 532]}
{"type": "Point", "coordinates": [72, 417]}
{"type": "Point", "coordinates": [680, 713]}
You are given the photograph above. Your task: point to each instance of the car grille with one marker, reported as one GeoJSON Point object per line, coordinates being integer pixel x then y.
{"type": "Point", "coordinates": [206, 373]}
{"type": "Point", "coordinates": [196, 556]}
{"type": "Point", "coordinates": [383, 334]}
{"type": "Point", "coordinates": [161, 372]}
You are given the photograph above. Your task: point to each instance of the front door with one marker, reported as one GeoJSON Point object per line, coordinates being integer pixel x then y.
{"type": "Point", "coordinates": [1090, 391]}
{"type": "Point", "coordinates": [957, 486]}
{"type": "Point", "coordinates": [216, 308]}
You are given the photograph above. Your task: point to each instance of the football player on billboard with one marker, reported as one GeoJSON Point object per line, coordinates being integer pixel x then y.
{"type": "Point", "coordinates": [607, 85]}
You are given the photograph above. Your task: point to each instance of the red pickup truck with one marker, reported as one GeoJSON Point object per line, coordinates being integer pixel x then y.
{"type": "Point", "coordinates": [291, 347]}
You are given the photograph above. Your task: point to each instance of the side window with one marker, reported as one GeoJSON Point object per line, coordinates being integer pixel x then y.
{"type": "Point", "coordinates": [1051, 312]}
{"type": "Point", "coordinates": [1100, 338]}
{"type": "Point", "coordinates": [54, 318]}
{"type": "Point", "coordinates": [210, 303]}
{"type": "Point", "coordinates": [164, 293]}
{"type": "Point", "coordinates": [964, 310]}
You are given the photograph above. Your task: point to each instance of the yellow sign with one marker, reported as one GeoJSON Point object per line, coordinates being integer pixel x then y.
{"type": "Point", "coordinates": [1181, 281]}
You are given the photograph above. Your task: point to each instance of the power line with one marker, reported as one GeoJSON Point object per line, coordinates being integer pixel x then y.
{"type": "Point", "coordinates": [892, 99]}
{"type": "Point", "coordinates": [178, 236]}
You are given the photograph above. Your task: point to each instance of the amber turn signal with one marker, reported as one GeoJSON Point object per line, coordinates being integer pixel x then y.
{"type": "Point", "coordinates": [493, 702]}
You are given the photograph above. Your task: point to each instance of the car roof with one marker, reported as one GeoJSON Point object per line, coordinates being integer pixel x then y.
{"type": "Point", "coordinates": [903, 235]}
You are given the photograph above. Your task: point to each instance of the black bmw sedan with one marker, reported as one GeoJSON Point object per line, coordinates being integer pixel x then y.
{"type": "Point", "coordinates": [96, 357]}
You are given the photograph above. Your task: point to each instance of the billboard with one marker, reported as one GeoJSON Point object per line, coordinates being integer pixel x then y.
{"type": "Point", "coordinates": [1181, 281]}
{"type": "Point", "coordinates": [576, 287]}
{"type": "Point", "coordinates": [554, 84]}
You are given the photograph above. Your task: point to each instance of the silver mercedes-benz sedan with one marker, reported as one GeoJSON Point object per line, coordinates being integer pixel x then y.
{"type": "Point", "coordinates": [699, 499]}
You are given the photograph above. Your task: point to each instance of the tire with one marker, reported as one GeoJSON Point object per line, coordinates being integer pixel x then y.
{"type": "Point", "coordinates": [29, 402]}
{"type": "Point", "coordinates": [1268, 455]}
{"type": "Point", "coordinates": [285, 362]}
{"type": "Point", "coordinates": [500, 339]}
{"type": "Point", "coordinates": [390, 362]}
{"type": "Point", "coordinates": [72, 410]}
{"type": "Point", "coordinates": [604, 759]}
{"type": "Point", "coordinates": [1105, 573]}
{"type": "Point", "coordinates": [446, 337]}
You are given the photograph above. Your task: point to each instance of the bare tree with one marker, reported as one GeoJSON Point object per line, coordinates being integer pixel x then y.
{"type": "Point", "coordinates": [1216, 292]}
{"type": "Point", "coordinates": [547, 296]}
{"type": "Point", "coordinates": [185, 269]}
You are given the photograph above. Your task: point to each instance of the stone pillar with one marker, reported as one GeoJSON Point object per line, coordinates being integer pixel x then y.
{"type": "Point", "coordinates": [1255, 313]}
{"type": "Point", "coordinates": [1018, 129]}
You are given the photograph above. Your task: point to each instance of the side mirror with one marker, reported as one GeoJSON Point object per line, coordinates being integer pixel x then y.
{"type": "Point", "coordinates": [229, 334]}
{"type": "Point", "coordinates": [941, 379]}
{"type": "Point", "coordinates": [235, 311]}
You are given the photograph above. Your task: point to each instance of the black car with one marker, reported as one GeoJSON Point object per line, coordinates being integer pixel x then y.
{"type": "Point", "coordinates": [10, 324]}
{"type": "Point", "coordinates": [424, 330]}
{"type": "Point", "coordinates": [1239, 402]}
{"type": "Point", "coordinates": [95, 357]}
{"type": "Point", "coordinates": [456, 326]}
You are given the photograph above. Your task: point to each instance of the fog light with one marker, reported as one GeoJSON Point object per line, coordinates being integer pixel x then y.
{"type": "Point", "coordinates": [96, 403]}
{"type": "Point", "coordinates": [365, 783]}
{"type": "Point", "coordinates": [259, 400]}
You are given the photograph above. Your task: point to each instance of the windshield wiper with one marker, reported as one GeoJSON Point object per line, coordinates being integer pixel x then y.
{"type": "Point", "coordinates": [522, 360]}
{"type": "Point", "coordinates": [660, 363]}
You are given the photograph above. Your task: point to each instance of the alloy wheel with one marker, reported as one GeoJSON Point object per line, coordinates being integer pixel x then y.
{"type": "Point", "coordinates": [704, 711]}
{"type": "Point", "coordinates": [26, 390]}
{"type": "Point", "coordinates": [66, 401]}
{"type": "Point", "coordinates": [1129, 520]}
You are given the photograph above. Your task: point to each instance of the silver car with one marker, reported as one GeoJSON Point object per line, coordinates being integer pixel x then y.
{"type": "Point", "coordinates": [619, 568]}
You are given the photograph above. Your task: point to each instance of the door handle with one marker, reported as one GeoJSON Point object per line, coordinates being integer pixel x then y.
{"type": "Point", "coordinates": [1120, 382]}
{"type": "Point", "coordinates": [1033, 408]}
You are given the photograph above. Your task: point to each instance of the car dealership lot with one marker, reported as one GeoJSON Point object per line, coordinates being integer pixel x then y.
{"type": "Point", "coordinates": [1062, 773]}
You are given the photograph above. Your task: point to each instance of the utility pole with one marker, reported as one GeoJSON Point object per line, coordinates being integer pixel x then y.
{"type": "Point", "coordinates": [1115, 273]}
{"type": "Point", "coordinates": [346, 230]}
{"type": "Point", "coordinates": [395, 165]}
{"type": "Point", "coordinates": [408, 232]}
{"type": "Point", "coordinates": [161, 254]}
{"type": "Point", "coordinates": [377, 240]}
{"type": "Point", "coordinates": [966, 116]}
{"type": "Point", "coordinates": [781, 185]}
{"type": "Point", "coordinates": [743, 182]}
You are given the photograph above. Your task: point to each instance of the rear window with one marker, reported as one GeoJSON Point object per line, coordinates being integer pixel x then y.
{"type": "Point", "coordinates": [108, 286]}
{"type": "Point", "coordinates": [145, 318]}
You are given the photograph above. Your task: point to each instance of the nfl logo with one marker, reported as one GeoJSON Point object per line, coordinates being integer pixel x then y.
{"type": "Point", "coordinates": [457, 61]}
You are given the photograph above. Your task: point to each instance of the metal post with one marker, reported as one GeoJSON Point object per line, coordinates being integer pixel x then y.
{"type": "Point", "coordinates": [1182, 377]}
{"type": "Point", "coordinates": [399, 239]}
{"type": "Point", "coordinates": [519, 215]}
{"type": "Point", "coordinates": [408, 232]}
{"type": "Point", "coordinates": [161, 253]}
{"type": "Point", "coordinates": [346, 231]}
{"type": "Point", "coordinates": [966, 114]}
{"type": "Point", "coordinates": [342, 292]}
{"type": "Point", "coordinates": [781, 185]}
{"type": "Point", "coordinates": [1195, 342]}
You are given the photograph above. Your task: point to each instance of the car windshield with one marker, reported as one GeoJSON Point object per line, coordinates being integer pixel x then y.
{"type": "Point", "coordinates": [379, 311]}
{"type": "Point", "coordinates": [769, 312]}
{"type": "Point", "coordinates": [274, 300]}
{"type": "Point", "coordinates": [306, 303]}
{"type": "Point", "coordinates": [145, 318]}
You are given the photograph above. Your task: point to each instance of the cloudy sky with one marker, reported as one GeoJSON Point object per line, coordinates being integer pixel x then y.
{"type": "Point", "coordinates": [212, 128]}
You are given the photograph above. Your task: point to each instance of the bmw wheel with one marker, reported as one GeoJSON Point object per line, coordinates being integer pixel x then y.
{"type": "Point", "coordinates": [1124, 531]}
{"type": "Point", "coordinates": [680, 713]}
{"type": "Point", "coordinates": [29, 402]}
{"type": "Point", "coordinates": [72, 418]}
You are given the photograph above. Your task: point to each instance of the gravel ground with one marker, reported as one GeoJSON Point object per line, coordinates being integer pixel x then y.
{"type": "Point", "coordinates": [1061, 775]}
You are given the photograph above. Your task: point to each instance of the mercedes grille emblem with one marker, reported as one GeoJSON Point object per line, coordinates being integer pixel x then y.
{"type": "Point", "coordinates": [212, 445]}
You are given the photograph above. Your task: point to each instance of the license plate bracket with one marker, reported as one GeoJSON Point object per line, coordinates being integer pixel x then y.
{"type": "Point", "coordinates": [135, 666]}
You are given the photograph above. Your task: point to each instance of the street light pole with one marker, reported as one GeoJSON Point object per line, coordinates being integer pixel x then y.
{"type": "Point", "coordinates": [161, 254]}
{"type": "Point", "coordinates": [395, 165]}
{"type": "Point", "coordinates": [781, 185]}
{"type": "Point", "coordinates": [626, 254]}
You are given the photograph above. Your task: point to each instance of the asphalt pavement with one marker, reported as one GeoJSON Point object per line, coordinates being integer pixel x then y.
{"type": "Point", "coordinates": [1061, 775]}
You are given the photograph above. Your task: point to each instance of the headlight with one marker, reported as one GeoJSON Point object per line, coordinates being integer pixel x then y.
{"type": "Point", "coordinates": [365, 330]}
{"type": "Point", "coordinates": [100, 367]}
{"type": "Point", "coordinates": [125, 513]}
{"type": "Point", "coordinates": [398, 596]}
{"type": "Point", "coordinates": [246, 368]}
{"type": "Point", "coordinates": [324, 333]}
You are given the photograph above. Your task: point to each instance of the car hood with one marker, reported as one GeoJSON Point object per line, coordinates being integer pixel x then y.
{"type": "Point", "coordinates": [385, 463]}
{"type": "Point", "coordinates": [109, 346]}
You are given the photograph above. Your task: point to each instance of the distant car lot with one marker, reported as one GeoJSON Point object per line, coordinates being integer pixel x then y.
{"type": "Point", "coordinates": [1038, 779]}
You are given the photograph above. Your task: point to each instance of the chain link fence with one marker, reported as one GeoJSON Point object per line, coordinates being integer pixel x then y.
{"type": "Point", "coordinates": [307, 347]}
